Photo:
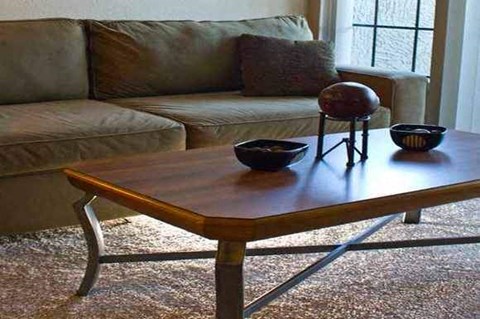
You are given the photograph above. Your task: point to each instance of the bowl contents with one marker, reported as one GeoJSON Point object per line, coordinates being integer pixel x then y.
{"type": "Point", "coordinates": [417, 137]}
{"type": "Point", "coordinates": [275, 148]}
{"type": "Point", "coordinates": [421, 130]}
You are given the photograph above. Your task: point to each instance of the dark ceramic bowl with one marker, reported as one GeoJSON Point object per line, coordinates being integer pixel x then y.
{"type": "Point", "coordinates": [270, 155]}
{"type": "Point", "coordinates": [417, 137]}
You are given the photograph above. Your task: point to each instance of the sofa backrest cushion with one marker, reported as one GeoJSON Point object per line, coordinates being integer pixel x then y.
{"type": "Point", "coordinates": [146, 58]}
{"type": "Point", "coordinates": [42, 60]}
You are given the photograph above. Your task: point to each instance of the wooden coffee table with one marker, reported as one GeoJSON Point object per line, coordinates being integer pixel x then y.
{"type": "Point", "coordinates": [209, 193]}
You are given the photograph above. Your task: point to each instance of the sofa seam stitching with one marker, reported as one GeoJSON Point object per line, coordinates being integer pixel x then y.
{"type": "Point", "coordinates": [269, 121]}
{"type": "Point", "coordinates": [93, 137]}
{"type": "Point", "coordinates": [239, 123]}
{"type": "Point", "coordinates": [257, 122]}
{"type": "Point", "coordinates": [173, 117]}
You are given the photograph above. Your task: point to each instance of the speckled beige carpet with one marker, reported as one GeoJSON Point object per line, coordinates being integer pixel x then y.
{"type": "Point", "coordinates": [40, 273]}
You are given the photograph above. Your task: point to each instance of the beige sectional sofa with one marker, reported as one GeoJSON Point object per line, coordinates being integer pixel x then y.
{"type": "Point", "coordinates": [73, 90]}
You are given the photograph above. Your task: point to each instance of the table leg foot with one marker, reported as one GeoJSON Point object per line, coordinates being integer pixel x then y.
{"type": "Point", "coordinates": [412, 217]}
{"type": "Point", "coordinates": [94, 237]}
{"type": "Point", "coordinates": [229, 280]}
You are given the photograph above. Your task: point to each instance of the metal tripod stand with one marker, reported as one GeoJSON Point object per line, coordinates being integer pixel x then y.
{"type": "Point", "coordinates": [349, 141]}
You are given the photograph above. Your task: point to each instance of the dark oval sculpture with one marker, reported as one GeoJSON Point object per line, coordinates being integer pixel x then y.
{"type": "Point", "coordinates": [348, 100]}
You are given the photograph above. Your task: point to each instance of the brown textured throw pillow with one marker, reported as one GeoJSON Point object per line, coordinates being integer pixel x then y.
{"type": "Point", "coordinates": [273, 66]}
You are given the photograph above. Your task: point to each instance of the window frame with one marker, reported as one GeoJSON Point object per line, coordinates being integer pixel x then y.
{"type": "Point", "coordinates": [376, 26]}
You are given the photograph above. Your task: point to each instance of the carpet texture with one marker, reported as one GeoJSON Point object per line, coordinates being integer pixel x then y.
{"type": "Point", "coordinates": [41, 271]}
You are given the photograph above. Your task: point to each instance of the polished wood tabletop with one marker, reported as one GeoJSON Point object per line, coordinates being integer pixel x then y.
{"type": "Point", "coordinates": [208, 192]}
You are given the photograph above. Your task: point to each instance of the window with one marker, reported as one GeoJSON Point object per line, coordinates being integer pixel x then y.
{"type": "Point", "coordinates": [393, 34]}
{"type": "Point", "coordinates": [399, 35]}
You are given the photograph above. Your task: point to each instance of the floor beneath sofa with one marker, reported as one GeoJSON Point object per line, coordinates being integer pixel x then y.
{"type": "Point", "coordinates": [40, 273]}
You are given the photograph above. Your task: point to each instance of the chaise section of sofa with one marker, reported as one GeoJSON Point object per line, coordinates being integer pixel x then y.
{"type": "Point", "coordinates": [49, 135]}
{"type": "Point", "coordinates": [37, 140]}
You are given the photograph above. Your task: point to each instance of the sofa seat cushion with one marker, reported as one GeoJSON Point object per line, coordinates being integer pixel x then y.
{"type": "Point", "coordinates": [228, 117]}
{"type": "Point", "coordinates": [44, 136]}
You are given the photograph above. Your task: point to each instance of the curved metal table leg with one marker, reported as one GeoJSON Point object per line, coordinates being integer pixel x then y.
{"type": "Point", "coordinates": [412, 217]}
{"type": "Point", "coordinates": [94, 237]}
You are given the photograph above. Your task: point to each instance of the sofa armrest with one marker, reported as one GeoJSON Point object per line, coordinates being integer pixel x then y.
{"type": "Point", "coordinates": [405, 93]}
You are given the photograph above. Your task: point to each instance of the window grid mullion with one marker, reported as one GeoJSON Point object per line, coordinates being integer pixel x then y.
{"type": "Point", "coordinates": [415, 40]}
{"type": "Point", "coordinates": [382, 26]}
{"type": "Point", "coordinates": [375, 31]}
